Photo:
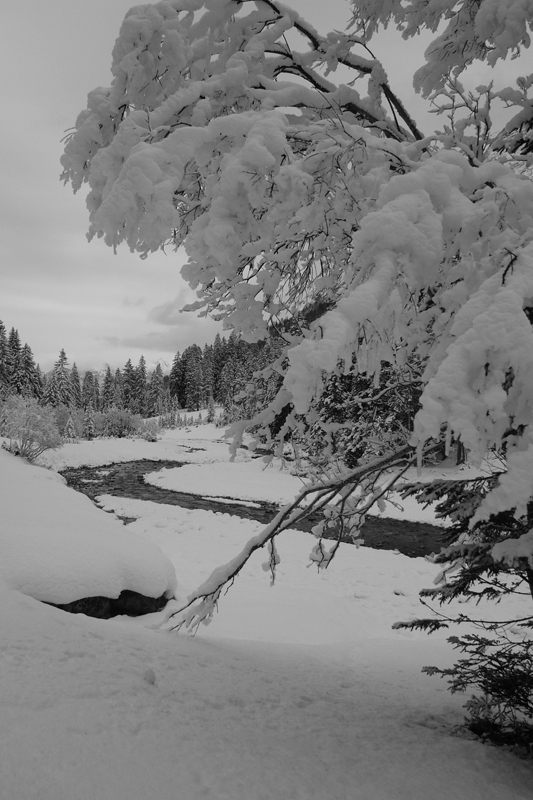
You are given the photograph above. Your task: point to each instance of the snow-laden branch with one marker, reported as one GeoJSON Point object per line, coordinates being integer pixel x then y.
{"type": "Point", "coordinates": [334, 497]}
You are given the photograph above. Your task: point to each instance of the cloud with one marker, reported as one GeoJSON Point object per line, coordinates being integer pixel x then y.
{"type": "Point", "coordinates": [170, 313]}
{"type": "Point", "coordinates": [127, 303]}
{"type": "Point", "coordinates": [171, 339]}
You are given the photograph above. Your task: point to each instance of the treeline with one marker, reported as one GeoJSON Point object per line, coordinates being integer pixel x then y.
{"type": "Point", "coordinates": [222, 372]}
{"type": "Point", "coordinates": [199, 377]}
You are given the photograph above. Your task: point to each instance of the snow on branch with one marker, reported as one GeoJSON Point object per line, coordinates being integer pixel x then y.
{"type": "Point", "coordinates": [344, 500]}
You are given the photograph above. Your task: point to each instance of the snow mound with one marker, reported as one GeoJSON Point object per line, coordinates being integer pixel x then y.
{"type": "Point", "coordinates": [56, 546]}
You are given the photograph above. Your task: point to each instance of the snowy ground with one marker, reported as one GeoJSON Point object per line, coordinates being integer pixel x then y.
{"type": "Point", "coordinates": [300, 691]}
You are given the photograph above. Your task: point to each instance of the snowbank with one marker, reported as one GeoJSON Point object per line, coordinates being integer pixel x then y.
{"type": "Point", "coordinates": [56, 546]}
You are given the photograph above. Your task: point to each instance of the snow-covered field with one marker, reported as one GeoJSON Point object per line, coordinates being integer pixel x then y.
{"type": "Point", "coordinates": [301, 690]}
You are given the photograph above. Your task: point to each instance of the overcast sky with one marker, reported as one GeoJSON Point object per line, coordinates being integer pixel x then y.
{"type": "Point", "coordinates": [56, 288]}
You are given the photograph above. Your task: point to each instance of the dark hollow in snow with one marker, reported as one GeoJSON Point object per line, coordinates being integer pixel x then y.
{"type": "Point", "coordinates": [129, 603]}
{"type": "Point", "coordinates": [127, 480]}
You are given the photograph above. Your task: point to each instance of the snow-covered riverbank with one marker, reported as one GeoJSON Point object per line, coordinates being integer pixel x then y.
{"type": "Point", "coordinates": [301, 690]}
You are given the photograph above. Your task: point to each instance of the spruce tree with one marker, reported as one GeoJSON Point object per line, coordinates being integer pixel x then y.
{"type": "Point", "coordinates": [193, 378]}
{"type": "Point", "coordinates": [141, 387]}
{"type": "Point", "coordinates": [59, 388]}
{"type": "Point", "coordinates": [70, 430]}
{"type": "Point", "coordinates": [14, 349]}
{"type": "Point", "coordinates": [89, 430]}
{"type": "Point", "coordinates": [210, 409]}
{"type": "Point", "coordinates": [76, 386]}
{"type": "Point", "coordinates": [89, 395]}
{"type": "Point", "coordinates": [30, 378]}
{"type": "Point", "coordinates": [129, 387]}
{"type": "Point", "coordinates": [156, 391]}
{"type": "Point", "coordinates": [176, 378]}
{"type": "Point", "coordinates": [219, 357]}
{"type": "Point", "coordinates": [207, 373]}
{"type": "Point", "coordinates": [4, 358]}
{"type": "Point", "coordinates": [118, 399]}
{"type": "Point", "coordinates": [108, 390]}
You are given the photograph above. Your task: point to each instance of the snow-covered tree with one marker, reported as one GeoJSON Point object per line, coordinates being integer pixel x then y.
{"type": "Point", "coordinates": [31, 381]}
{"type": "Point", "coordinates": [70, 430]}
{"type": "Point", "coordinates": [128, 385]}
{"type": "Point", "coordinates": [76, 386]}
{"type": "Point", "coordinates": [14, 350]}
{"type": "Point", "coordinates": [156, 392]}
{"type": "Point", "coordinates": [118, 398]}
{"type": "Point", "coordinates": [90, 393]}
{"type": "Point", "coordinates": [287, 188]}
{"type": "Point", "coordinates": [193, 379]}
{"type": "Point", "coordinates": [4, 369]}
{"type": "Point", "coordinates": [176, 377]}
{"type": "Point", "coordinates": [58, 389]}
{"type": "Point", "coordinates": [108, 389]}
{"type": "Point", "coordinates": [140, 388]}
{"type": "Point", "coordinates": [89, 429]}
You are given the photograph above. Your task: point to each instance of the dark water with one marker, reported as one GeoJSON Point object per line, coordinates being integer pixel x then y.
{"type": "Point", "coordinates": [127, 480]}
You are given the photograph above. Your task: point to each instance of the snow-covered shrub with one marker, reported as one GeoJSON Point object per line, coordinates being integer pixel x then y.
{"type": "Point", "coordinates": [117, 422]}
{"type": "Point", "coordinates": [30, 427]}
{"type": "Point", "coordinates": [149, 430]}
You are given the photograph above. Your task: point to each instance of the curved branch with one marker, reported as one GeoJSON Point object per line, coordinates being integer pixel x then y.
{"type": "Point", "coordinates": [203, 602]}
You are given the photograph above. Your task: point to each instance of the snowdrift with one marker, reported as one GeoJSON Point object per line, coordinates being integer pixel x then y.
{"type": "Point", "coordinates": [56, 546]}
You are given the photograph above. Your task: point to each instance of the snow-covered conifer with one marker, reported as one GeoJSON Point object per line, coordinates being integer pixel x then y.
{"type": "Point", "coordinates": [90, 391]}
{"type": "Point", "coordinates": [118, 398]}
{"type": "Point", "coordinates": [140, 391]}
{"type": "Point", "coordinates": [59, 387]}
{"type": "Point", "coordinates": [176, 377]}
{"type": "Point", "coordinates": [156, 392]}
{"type": "Point", "coordinates": [76, 386]}
{"type": "Point", "coordinates": [89, 429]}
{"type": "Point", "coordinates": [129, 386]}
{"type": "Point", "coordinates": [108, 390]}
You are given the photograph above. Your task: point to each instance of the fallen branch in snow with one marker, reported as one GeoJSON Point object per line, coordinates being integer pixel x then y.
{"type": "Point", "coordinates": [356, 492]}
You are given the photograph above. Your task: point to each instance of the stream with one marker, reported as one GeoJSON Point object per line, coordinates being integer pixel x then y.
{"type": "Point", "coordinates": [127, 480]}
